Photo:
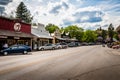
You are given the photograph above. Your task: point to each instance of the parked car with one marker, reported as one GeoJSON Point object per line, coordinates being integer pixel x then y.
{"type": "Point", "coordinates": [84, 44]}
{"type": "Point", "coordinates": [16, 49]}
{"type": "Point", "coordinates": [110, 45]}
{"type": "Point", "coordinates": [116, 46]}
{"type": "Point", "coordinates": [73, 44]}
{"type": "Point", "coordinates": [58, 46]}
{"type": "Point", "coordinates": [103, 45]}
{"type": "Point", "coordinates": [77, 44]}
{"type": "Point", "coordinates": [64, 45]}
{"type": "Point", "coordinates": [91, 43]}
{"type": "Point", "coordinates": [47, 46]}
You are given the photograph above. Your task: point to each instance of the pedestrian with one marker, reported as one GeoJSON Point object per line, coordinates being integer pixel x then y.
{"type": "Point", "coordinates": [5, 46]}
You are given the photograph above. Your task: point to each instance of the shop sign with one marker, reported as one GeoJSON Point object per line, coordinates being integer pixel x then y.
{"type": "Point", "coordinates": [17, 26]}
{"type": "Point", "coordinates": [16, 38]}
{"type": "Point", "coordinates": [3, 36]}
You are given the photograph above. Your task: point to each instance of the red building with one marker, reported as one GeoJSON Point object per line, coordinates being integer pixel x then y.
{"type": "Point", "coordinates": [14, 32]}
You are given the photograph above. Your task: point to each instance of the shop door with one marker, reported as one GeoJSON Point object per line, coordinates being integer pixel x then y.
{"type": "Point", "coordinates": [2, 42]}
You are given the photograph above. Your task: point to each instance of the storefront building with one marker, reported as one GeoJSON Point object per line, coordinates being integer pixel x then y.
{"type": "Point", "coordinates": [66, 37]}
{"type": "Point", "coordinates": [14, 32]}
{"type": "Point", "coordinates": [41, 36]}
{"type": "Point", "coordinates": [59, 37]}
{"type": "Point", "coordinates": [56, 36]}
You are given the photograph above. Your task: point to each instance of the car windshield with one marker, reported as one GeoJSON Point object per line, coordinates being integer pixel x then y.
{"type": "Point", "coordinates": [58, 44]}
{"type": "Point", "coordinates": [47, 44]}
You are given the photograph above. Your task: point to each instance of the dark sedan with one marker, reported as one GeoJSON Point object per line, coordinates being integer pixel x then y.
{"type": "Point", "coordinates": [16, 49]}
{"type": "Point", "coordinates": [74, 44]}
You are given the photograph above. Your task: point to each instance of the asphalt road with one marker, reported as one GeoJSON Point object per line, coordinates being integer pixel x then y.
{"type": "Point", "coordinates": [78, 63]}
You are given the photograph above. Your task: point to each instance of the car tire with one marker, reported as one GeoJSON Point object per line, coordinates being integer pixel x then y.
{"type": "Point", "coordinates": [25, 52]}
{"type": "Point", "coordinates": [5, 53]}
{"type": "Point", "coordinates": [42, 49]}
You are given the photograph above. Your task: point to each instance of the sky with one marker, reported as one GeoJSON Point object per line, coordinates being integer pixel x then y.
{"type": "Point", "coordinates": [88, 14]}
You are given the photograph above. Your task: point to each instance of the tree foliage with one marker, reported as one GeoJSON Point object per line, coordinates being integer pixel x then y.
{"type": "Point", "coordinates": [89, 36]}
{"type": "Point", "coordinates": [61, 29]}
{"type": "Point", "coordinates": [111, 32]}
{"type": "Point", "coordinates": [116, 35]}
{"type": "Point", "coordinates": [104, 34]}
{"type": "Point", "coordinates": [51, 28]}
{"type": "Point", "coordinates": [74, 31]}
{"type": "Point", "coordinates": [23, 13]}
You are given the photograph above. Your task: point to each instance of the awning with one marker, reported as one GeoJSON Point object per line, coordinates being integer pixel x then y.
{"type": "Point", "coordinates": [61, 38]}
{"type": "Point", "coordinates": [14, 34]}
{"type": "Point", "coordinates": [118, 29]}
{"type": "Point", "coordinates": [42, 36]}
{"type": "Point", "coordinates": [40, 33]}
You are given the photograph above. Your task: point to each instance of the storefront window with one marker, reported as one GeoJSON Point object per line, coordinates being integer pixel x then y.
{"type": "Point", "coordinates": [11, 42]}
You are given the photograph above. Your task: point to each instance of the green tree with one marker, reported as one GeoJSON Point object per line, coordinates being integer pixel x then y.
{"type": "Point", "coordinates": [79, 34]}
{"type": "Point", "coordinates": [34, 24]}
{"type": "Point", "coordinates": [116, 35]}
{"type": "Point", "coordinates": [74, 31]}
{"type": "Point", "coordinates": [62, 30]}
{"type": "Point", "coordinates": [23, 13]}
{"type": "Point", "coordinates": [89, 36]}
{"type": "Point", "coordinates": [104, 34]}
{"type": "Point", "coordinates": [111, 32]}
{"type": "Point", "coordinates": [51, 28]}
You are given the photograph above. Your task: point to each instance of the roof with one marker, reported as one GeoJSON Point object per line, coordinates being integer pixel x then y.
{"type": "Point", "coordinates": [14, 20]}
{"type": "Point", "coordinates": [13, 33]}
{"type": "Point", "coordinates": [42, 36]}
{"type": "Point", "coordinates": [118, 28]}
{"type": "Point", "coordinates": [61, 38]}
{"type": "Point", "coordinates": [40, 33]}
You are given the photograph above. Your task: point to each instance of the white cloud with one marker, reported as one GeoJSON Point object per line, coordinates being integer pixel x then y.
{"type": "Point", "coordinates": [42, 13]}
{"type": "Point", "coordinates": [89, 8]}
{"type": "Point", "coordinates": [85, 18]}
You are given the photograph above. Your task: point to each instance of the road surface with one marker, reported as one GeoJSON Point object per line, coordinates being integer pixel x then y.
{"type": "Point", "coordinates": [78, 63]}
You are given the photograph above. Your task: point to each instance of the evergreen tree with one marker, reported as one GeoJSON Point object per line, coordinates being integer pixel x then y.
{"type": "Point", "coordinates": [23, 13]}
{"type": "Point", "coordinates": [111, 32]}
{"type": "Point", "coordinates": [104, 34]}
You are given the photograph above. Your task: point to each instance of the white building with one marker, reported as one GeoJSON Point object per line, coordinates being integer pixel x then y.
{"type": "Point", "coordinates": [42, 36]}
